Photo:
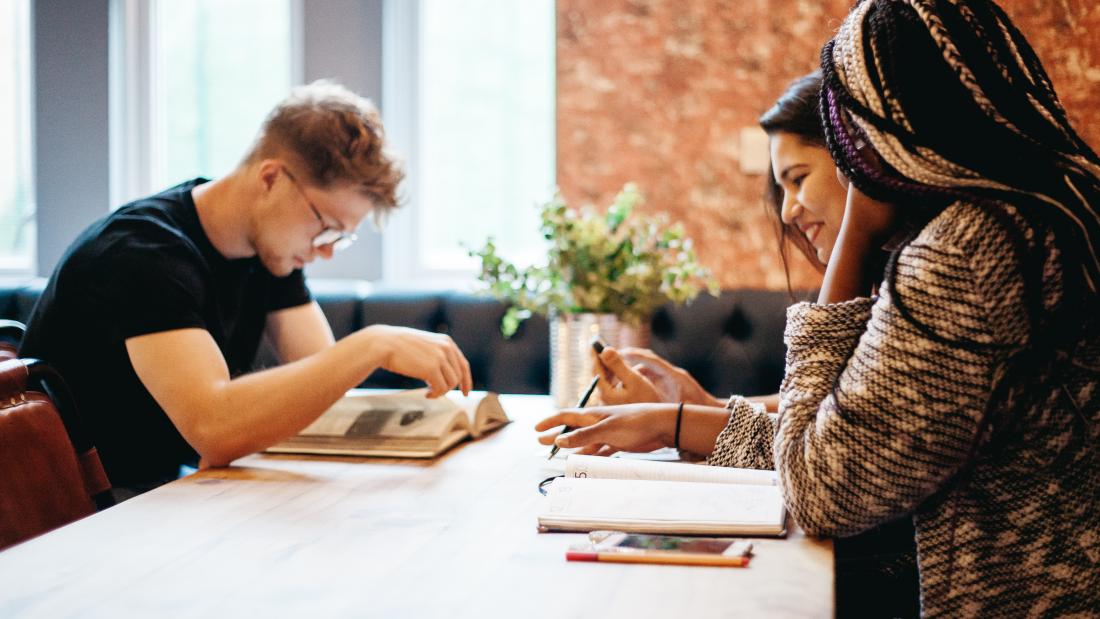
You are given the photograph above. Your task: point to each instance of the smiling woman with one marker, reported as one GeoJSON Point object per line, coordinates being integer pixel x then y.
{"type": "Point", "coordinates": [813, 200]}
{"type": "Point", "coordinates": [795, 133]}
{"type": "Point", "coordinates": [876, 571]}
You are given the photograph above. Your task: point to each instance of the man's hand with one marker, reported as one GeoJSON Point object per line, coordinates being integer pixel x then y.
{"type": "Point", "coordinates": [431, 357]}
{"type": "Point", "coordinates": [636, 375]}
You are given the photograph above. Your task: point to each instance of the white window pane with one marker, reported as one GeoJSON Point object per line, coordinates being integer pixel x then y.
{"type": "Point", "coordinates": [486, 127]}
{"type": "Point", "coordinates": [16, 188]}
{"type": "Point", "coordinates": [220, 65]}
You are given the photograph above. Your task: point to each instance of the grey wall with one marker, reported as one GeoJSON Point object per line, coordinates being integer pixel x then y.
{"type": "Point", "coordinates": [342, 39]}
{"type": "Point", "coordinates": [72, 149]}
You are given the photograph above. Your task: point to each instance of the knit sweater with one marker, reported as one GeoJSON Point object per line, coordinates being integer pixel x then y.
{"type": "Point", "coordinates": [878, 419]}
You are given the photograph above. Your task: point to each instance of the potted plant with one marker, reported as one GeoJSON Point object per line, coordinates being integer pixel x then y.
{"type": "Point", "coordinates": [605, 274]}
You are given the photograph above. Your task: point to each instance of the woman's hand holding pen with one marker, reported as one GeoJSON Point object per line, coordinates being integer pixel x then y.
{"type": "Point", "coordinates": [584, 400]}
{"type": "Point", "coordinates": [604, 430]}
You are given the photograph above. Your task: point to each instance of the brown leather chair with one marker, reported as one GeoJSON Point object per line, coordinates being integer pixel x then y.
{"type": "Point", "coordinates": [50, 472]}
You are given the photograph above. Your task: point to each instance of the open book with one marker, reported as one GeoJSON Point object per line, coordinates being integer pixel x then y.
{"type": "Point", "coordinates": [644, 496]}
{"type": "Point", "coordinates": [403, 424]}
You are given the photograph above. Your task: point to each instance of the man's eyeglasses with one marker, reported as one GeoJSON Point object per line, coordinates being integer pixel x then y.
{"type": "Point", "coordinates": [328, 235]}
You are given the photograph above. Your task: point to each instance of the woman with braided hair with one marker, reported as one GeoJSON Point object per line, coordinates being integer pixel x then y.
{"type": "Point", "coordinates": [980, 360]}
{"type": "Point", "coordinates": [967, 391]}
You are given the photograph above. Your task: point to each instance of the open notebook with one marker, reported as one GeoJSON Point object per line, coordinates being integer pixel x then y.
{"type": "Point", "coordinates": [403, 424]}
{"type": "Point", "coordinates": [640, 496]}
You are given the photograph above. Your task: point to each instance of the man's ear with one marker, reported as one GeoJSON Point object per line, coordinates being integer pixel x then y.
{"type": "Point", "coordinates": [268, 171]}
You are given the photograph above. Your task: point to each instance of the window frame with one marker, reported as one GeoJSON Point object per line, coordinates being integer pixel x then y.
{"type": "Point", "coordinates": [400, 111]}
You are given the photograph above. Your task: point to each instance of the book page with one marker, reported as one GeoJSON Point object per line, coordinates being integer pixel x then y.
{"type": "Point", "coordinates": [405, 414]}
{"type": "Point", "coordinates": [621, 468]}
{"type": "Point", "coordinates": [662, 507]}
{"type": "Point", "coordinates": [484, 409]}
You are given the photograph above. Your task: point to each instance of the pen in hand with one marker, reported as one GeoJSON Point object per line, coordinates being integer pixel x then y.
{"type": "Point", "coordinates": [584, 400]}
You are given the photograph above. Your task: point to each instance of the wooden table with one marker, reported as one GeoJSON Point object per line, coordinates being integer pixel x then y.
{"type": "Point", "coordinates": [278, 536]}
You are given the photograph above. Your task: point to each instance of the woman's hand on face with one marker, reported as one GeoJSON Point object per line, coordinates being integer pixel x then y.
{"type": "Point", "coordinates": [853, 270]}
{"type": "Point", "coordinates": [636, 375]}
{"type": "Point", "coordinates": [604, 430]}
{"type": "Point", "coordinates": [866, 221]}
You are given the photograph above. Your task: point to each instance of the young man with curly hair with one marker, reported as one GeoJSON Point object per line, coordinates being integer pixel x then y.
{"type": "Point", "coordinates": [155, 313]}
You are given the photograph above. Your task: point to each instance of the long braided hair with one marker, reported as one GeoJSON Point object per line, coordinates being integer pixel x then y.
{"type": "Point", "coordinates": [957, 107]}
{"type": "Point", "coordinates": [955, 103]}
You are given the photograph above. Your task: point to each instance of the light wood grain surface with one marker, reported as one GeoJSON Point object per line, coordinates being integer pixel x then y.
{"type": "Point", "coordinates": [279, 536]}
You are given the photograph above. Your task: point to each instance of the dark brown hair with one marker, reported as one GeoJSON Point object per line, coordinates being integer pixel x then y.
{"type": "Point", "coordinates": [795, 112]}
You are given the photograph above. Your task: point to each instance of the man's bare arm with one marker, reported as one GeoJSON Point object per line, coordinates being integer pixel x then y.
{"type": "Point", "coordinates": [224, 418]}
{"type": "Point", "coordinates": [298, 332]}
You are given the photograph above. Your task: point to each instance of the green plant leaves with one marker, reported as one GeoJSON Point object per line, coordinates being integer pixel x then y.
{"type": "Point", "coordinates": [618, 263]}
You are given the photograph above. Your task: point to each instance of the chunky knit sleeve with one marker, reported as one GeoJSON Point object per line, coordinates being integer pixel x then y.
{"type": "Point", "coordinates": [746, 441]}
{"type": "Point", "coordinates": [876, 412]}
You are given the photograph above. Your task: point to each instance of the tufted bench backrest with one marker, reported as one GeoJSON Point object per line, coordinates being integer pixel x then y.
{"type": "Point", "coordinates": [731, 344]}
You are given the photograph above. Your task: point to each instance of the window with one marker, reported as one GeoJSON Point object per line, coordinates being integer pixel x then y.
{"type": "Point", "coordinates": [220, 66]}
{"type": "Point", "coordinates": [469, 101]}
{"type": "Point", "coordinates": [200, 77]}
{"type": "Point", "coordinates": [17, 231]}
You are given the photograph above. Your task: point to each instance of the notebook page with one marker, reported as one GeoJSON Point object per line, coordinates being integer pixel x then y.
{"type": "Point", "coordinates": [619, 468]}
{"type": "Point", "coordinates": [662, 506]}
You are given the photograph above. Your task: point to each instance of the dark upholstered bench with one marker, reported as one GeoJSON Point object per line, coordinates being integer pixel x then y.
{"type": "Point", "coordinates": [731, 344]}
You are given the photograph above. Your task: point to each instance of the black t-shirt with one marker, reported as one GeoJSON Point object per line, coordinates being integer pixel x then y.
{"type": "Point", "coordinates": [146, 268]}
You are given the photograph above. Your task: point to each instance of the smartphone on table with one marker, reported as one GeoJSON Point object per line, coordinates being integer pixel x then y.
{"type": "Point", "coordinates": [620, 547]}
